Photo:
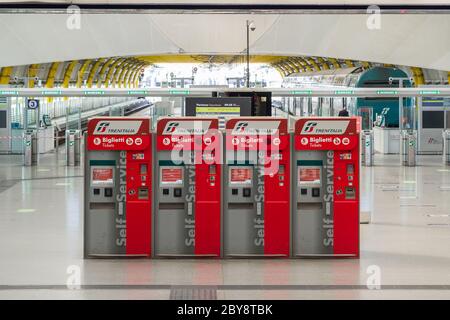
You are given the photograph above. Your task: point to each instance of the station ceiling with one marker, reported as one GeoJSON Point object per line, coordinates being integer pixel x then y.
{"type": "Point", "coordinates": [105, 46]}
{"type": "Point", "coordinates": [126, 71]}
{"type": "Point", "coordinates": [410, 39]}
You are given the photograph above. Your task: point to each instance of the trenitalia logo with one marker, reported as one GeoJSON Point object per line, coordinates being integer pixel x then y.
{"type": "Point", "coordinates": [240, 127]}
{"type": "Point", "coordinates": [255, 127]}
{"type": "Point", "coordinates": [117, 127]}
{"type": "Point", "coordinates": [171, 127]}
{"type": "Point", "coordinates": [325, 127]}
{"type": "Point", "coordinates": [101, 128]}
{"type": "Point", "coordinates": [186, 127]}
{"type": "Point", "coordinates": [310, 126]}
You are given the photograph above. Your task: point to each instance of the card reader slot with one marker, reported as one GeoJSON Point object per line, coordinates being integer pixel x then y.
{"type": "Point", "coordinates": [102, 205]}
{"type": "Point", "coordinates": [171, 206]}
{"type": "Point", "coordinates": [309, 206]}
{"type": "Point", "coordinates": [240, 205]}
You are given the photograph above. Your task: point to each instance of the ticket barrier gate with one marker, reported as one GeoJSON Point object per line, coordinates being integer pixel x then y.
{"type": "Point", "coordinates": [30, 151]}
{"type": "Point", "coordinates": [408, 148]}
{"type": "Point", "coordinates": [256, 187]}
{"type": "Point", "coordinates": [188, 188]}
{"type": "Point", "coordinates": [367, 148]}
{"type": "Point", "coordinates": [118, 176]}
{"type": "Point", "coordinates": [446, 147]}
{"type": "Point", "coordinates": [73, 147]}
{"type": "Point", "coordinates": [326, 187]}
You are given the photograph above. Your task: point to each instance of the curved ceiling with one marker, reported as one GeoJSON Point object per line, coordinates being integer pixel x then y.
{"type": "Point", "coordinates": [412, 40]}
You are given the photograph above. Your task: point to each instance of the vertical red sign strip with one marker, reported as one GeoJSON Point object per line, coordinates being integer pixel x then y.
{"type": "Point", "coordinates": [208, 175]}
{"type": "Point", "coordinates": [346, 212]}
{"type": "Point", "coordinates": [276, 201]}
{"type": "Point", "coordinates": [139, 204]}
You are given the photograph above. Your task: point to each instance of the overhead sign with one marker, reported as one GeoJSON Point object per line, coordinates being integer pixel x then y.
{"type": "Point", "coordinates": [32, 104]}
{"type": "Point", "coordinates": [229, 106]}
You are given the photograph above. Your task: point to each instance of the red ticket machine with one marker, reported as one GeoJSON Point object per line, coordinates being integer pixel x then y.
{"type": "Point", "coordinates": [118, 187]}
{"type": "Point", "coordinates": [256, 187]}
{"type": "Point", "coordinates": [188, 187]}
{"type": "Point", "coordinates": [326, 187]}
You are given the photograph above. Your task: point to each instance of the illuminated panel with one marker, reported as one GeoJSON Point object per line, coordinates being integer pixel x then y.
{"type": "Point", "coordinates": [308, 175]}
{"type": "Point", "coordinates": [172, 176]}
{"type": "Point", "coordinates": [241, 176]}
{"type": "Point", "coordinates": [102, 176]}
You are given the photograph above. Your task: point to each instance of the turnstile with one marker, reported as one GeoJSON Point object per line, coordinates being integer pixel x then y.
{"type": "Point", "coordinates": [367, 148]}
{"type": "Point", "coordinates": [446, 147]}
{"type": "Point", "coordinates": [30, 150]}
{"type": "Point", "coordinates": [408, 148]}
{"type": "Point", "coordinates": [73, 147]}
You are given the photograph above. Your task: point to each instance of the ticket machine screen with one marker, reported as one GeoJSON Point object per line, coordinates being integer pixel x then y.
{"type": "Point", "coordinates": [241, 176]}
{"type": "Point", "coordinates": [102, 176]}
{"type": "Point", "coordinates": [171, 176]}
{"type": "Point", "coordinates": [309, 175]}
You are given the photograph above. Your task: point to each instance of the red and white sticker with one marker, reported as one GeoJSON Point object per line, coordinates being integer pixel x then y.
{"type": "Point", "coordinates": [337, 141]}
{"type": "Point", "coordinates": [345, 141]}
{"type": "Point", "coordinates": [97, 141]}
{"type": "Point", "coordinates": [129, 141]}
{"type": "Point", "coordinates": [304, 141]}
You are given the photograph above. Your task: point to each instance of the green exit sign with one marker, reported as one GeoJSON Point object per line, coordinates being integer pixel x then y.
{"type": "Point", "coordinates": [430, 92]}
{"type": "Point", "coordinates": [344, 92]}
{"type": "Point", "coordinates": [142, 92]}
{"type": "Point", "coordinates": [302, 92]}
{"type": "Point", "coordinates": [387, 92]}
{"type": "Point", "coordinates": [179, 91]}
{"type": "Point", "coordinates": [94, 93]}
{"type": "Point", "coordinates": [9, 92]}
{"type": "Point", "coordinates": [51, 92]}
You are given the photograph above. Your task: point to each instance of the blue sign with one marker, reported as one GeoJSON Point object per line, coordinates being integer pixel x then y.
{"type": "Point", "coordinates": [33, 104]}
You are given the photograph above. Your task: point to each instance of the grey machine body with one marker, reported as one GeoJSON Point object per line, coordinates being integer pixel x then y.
{"type": "Point", "coordinates": [243, 214]}
{"type": "Point", "coordinates": [312, 204]}
{"type": "Point", "coordinates": [174, 214]}
{"type": "Point", "coordinates": [104, 201]}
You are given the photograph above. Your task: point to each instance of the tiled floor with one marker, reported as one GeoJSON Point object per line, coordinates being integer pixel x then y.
{"type": "Point", "coordinates": [408, 242]}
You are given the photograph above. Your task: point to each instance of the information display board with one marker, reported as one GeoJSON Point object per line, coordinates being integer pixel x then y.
{"type": "Point", "coordinates": [205, 106]}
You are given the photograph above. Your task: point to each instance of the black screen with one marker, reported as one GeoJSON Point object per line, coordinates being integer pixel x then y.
{"type": "Point", "coordinates": [432, 119]}
{"type": "Point", "coordinates": [3, 119]}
